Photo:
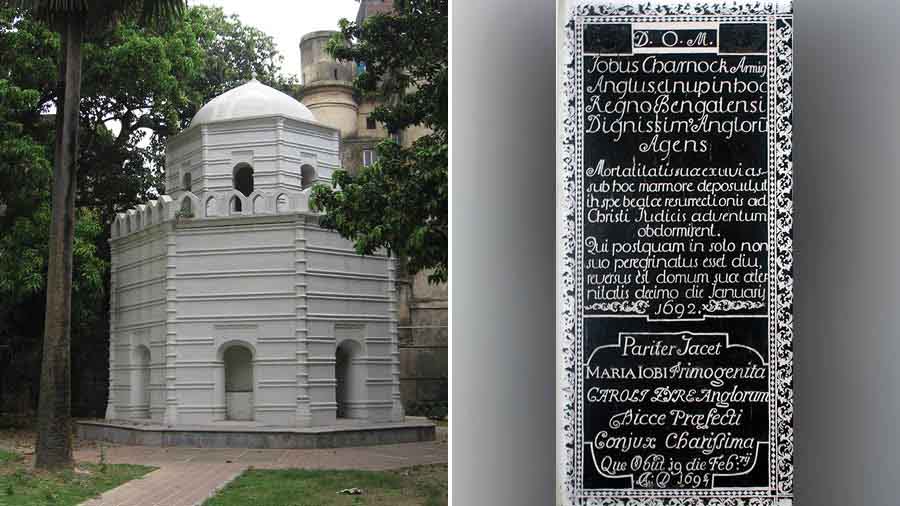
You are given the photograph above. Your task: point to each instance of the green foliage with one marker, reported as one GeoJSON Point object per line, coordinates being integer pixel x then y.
{"type": "Point", "coordinates": [433, 410]}
{"type": "Point", "coordinates": [24, 167]}
{"type": "Point", "coordinates": [25, 223]}
{"type": "Point", "coordinates": [22, 486]}
{"type": "Point", "coordinates": [400, 202]}
{"type": "Point", "coordinates": [97, 15]}
{"type": "Point", "coordinates": [23, 255]}
{"type": "Point", "coordinates": [233, 53]}
{"type": "Point", "coordinates": [141, 84]}
{"type": "Point", "coordinates": [7, 457]}
{"type": "Point", "coordinates": [25, 175]}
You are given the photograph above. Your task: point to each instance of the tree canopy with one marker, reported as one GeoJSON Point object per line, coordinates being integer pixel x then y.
{"type": "Point", "coordinates": [140, 85]}
{"type": "Point", "coordinates": [399, 203]}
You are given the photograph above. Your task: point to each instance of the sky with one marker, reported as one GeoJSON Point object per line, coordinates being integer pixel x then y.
{"type": "Point", "coordinates": [288, 20]}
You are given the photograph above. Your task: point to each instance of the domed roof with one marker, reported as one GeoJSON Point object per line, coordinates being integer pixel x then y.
{"type": "Point", "coordinates": [251, 99]}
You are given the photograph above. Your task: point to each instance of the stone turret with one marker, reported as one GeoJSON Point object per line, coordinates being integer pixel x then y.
{"type": "Point", "coordinates": [328, 85]}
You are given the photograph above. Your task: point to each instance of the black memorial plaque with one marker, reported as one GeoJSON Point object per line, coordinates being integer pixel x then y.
{"type": "Point", "coordinates": [676, 266]}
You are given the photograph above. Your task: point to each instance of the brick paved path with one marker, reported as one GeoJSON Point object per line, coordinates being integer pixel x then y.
{"type": "Point", "coordinates": [171, 485]}
{"type": "Point", "coordinates": [187, 476]}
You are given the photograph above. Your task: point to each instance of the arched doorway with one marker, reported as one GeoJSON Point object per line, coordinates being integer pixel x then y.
{"type": "Point", "coordinates": [141, 382]}
{"type": "Point", "coordinates": [350, 376]}
{"type": "Point", "coordinates": [238, 383]}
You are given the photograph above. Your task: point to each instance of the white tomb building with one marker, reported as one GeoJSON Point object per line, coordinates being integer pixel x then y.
{"type": "Point", "coordinates": [229, 302]}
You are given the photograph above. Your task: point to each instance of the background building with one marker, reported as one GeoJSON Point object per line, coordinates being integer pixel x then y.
{"type": "Point", "coordinates": [422, 308]}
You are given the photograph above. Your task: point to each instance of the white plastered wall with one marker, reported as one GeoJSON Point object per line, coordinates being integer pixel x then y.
{"type": "Point", "coordinates": [276, 147]}
{"type": "Point", "coordinates": [138, 313]}
{"type": "Point", "coordinates": [277, 284]}
{"type": "Point", "coordinates": [189, 285]}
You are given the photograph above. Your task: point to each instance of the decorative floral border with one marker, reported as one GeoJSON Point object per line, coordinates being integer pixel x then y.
{"type": "Point", "coordinates": [719, 305]}
{"type": "Point", "coordinates": [779, 14]}
{"type": "Point", "coordinates": [620, 306]}
{"type": "Point", "coordinates": [784, 256]}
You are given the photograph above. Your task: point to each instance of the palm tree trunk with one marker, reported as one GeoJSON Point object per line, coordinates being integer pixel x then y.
{"type": "Point", "coordinates": [54, 441]}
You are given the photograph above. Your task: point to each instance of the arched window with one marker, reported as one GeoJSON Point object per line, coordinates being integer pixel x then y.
{"type": "Point", "coordinates": [186, 207]}
{"type": "Point", "coordinates": [211, 206]}
{"type": "Point", "coordinates": [307, 176]}
{"type": "Point", "coordinates": [235, 204]}
{"type": "Point", "coordinates": [186, 181]}
{"type": "Point", "coordinates": [243, 179]}
{"type": "Point", "coordinates": [281, 203]}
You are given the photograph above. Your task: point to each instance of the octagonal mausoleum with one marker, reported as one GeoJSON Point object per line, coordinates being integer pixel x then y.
{"type": "Point", "coordinates": [229, 302]}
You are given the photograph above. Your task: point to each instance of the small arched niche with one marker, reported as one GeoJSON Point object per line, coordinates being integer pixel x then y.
{"type": "Point", "coordinates": [307, 176]}
{"type": "Point", "coordinates": [243, 178]}
{"type": "Point", "coordinates": [238, 361]}
{"type": "Point", "coordinates": [211, 206]}
{"type": "Point", "coordinates": [281, 204]}
{"type": "Point", "coordinates": [351, 380]}
{"type": "Point", "coordinates": [234, 205]}
{"type": "Point", "coordinates": [186, 207]}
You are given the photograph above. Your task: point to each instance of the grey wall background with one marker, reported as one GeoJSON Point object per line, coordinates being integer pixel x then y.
{"type": "Point", "coordinates": [847, 162]}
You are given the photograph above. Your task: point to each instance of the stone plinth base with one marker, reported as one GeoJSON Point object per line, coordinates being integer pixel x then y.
{"type": "Point", "coordinates": [251, 435]}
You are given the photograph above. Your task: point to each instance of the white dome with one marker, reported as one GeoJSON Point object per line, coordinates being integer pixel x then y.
{"type": "Point", "coordinates": [252, 99]}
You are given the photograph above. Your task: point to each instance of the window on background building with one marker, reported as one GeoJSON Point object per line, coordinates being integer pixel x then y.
{"type": "Point", "coordinates": [395, 137]}
{"type": "Point", "coordinates": [369, 157]}
{"type": "Point", "coordinates": [186, 182]}
{"type": "Point", "coordinates": [370, 123]}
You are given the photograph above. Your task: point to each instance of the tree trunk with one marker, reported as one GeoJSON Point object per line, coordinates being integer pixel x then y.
{"type": "Point", "coordinates": [54, 442]}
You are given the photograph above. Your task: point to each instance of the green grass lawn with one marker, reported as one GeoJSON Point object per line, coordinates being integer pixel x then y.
{"type": "Point", "coordinates": [415, 486]}
{"type": "Point", "coordinates": [21, 486]}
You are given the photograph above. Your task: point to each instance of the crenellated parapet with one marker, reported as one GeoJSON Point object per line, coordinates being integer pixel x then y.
{"type": "Point", "coordinates": [208, 205]}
